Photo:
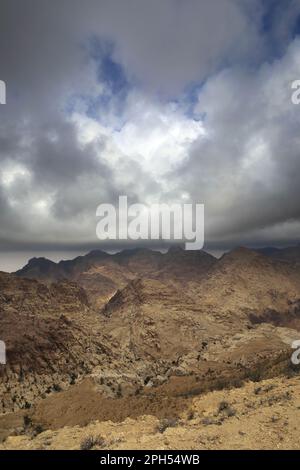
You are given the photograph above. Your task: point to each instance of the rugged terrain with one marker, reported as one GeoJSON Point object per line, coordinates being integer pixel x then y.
{"type": "Point", "coordinates": [289, 255]}
{"type": "Point", "coordinates": [140, 337]}
{"type": "Point", "coordinates": [261, 415]}
{"type": "Point", "coordinates": [101, 274]}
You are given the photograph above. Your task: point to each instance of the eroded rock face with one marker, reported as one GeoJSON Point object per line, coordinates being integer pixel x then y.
{"type": "Point", "coordinates": [169, 319]}
{"type": "Point", "coordinates": [47, 332]}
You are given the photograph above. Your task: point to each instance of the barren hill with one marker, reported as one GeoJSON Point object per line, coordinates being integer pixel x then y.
{"type": "Point", "coordinates": [48, 335]}
{"type": "Point", "coordinates": [139, 324]}
{"type": "Point", "coordinates": [247, 285]}
{"type": "Point", "coordinates": [289, 255]}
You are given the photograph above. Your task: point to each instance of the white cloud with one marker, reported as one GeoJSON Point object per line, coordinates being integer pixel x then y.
{"type": "Point", "coordinates": [10, 172]}
{"type": "Point", "coordinates": [68, 142]}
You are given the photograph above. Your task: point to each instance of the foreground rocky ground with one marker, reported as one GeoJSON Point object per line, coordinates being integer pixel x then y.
{"type": "Point", "coordinates": [262, 415]}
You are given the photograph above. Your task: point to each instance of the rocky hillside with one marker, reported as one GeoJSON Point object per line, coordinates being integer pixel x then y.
{"type": "Point", "coordinates": [139, 332]}
{"type": "Point", "coordinates": [261, 415]}
{"type": "Point", "coordinates": [48, 335]}
{"type": "Point", "coordinates": [239, 297]}
{"type": "Point", "coordinates": [246, 285]}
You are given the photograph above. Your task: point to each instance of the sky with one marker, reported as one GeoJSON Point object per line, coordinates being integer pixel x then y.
{"type": "Point", "coordinates": [163, 101]}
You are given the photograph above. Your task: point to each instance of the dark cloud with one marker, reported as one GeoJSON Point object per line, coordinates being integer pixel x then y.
{"type": "Point", "coordinates": [98, 105]}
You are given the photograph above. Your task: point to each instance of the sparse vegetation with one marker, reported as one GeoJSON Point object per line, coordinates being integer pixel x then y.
{"type": "Point", "coordinates": [57, 388]}
{"type": "Point", "coordinates": [226, 409]}
{"type": "Point", "coordinates": [27, 421]}
{"type": "Point", "coordinates": [89, 442]}
{"type": "Point", "coordinates": [167, 423]}
{"type": "Point", "coordinates": [38, 429]}
{"type": "Point", "coordinates": [207, 421]}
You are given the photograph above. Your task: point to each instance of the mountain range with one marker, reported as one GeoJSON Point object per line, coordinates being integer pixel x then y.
{"type": "Point", "coordinates": [140, 328]}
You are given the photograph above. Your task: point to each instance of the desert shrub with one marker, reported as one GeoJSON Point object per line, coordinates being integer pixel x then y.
{"type": "Point", "coordinates": [73, 378]}
{"type": "Point", "coordinates": [167, 423]}
{"type": "Point", "coordinates": [57, 388]}
{"type": "Point", "coordinates": [38, 429]}
{"type": "Point", "coordinates": [230, 412]}
{"type": "Point", "coordinates": [292, 370]}
{"type": "Point", "coordinates": [27, 420]}
{"type": "Point", "coordinates": [237, 383]}
{"type": "Point", "coordinates": [207, 421]}
{"type": "Point", "coordinates": [223, 405]}
{"type": "Point", "coordinates": [89, 442]}
{"type": "Point", "coordinates": [256, 375]}
{"type": "Point", "coordinates": [226, 409]}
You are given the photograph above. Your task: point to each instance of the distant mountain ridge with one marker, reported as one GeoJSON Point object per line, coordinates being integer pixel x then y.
{"type": "Point", "coordinates": [43, 266]}
{"type": "Point", "coordinates": [102, 274]}
{"type": "Point", "coordinates": [290, 254]}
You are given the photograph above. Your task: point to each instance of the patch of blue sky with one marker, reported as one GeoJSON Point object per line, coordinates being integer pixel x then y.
{"type": "Point", "coordinates": [189, 100]}
{"type": "Point", "coordinates": [109, 71]}
{"type": "Point", "coordinates": [270, 9]}
{"type": "Point", "coordinates": [296, 28]}
{"type": "Point", "coordinates": [273, 12]}
{"type": "Point", "coordinates": [112, 99]}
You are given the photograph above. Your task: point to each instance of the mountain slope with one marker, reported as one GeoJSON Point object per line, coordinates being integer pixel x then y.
{"type": "Point", "coordinates": [102, 274]}
{"type": "Point", "coordinates": [289, 255]}
{"type": "Point", "coordinates": [48, 335]}
{"type": "Point", "coordinates": [171, 326]}
{"type": "Point", "coordinates": [247, 285]}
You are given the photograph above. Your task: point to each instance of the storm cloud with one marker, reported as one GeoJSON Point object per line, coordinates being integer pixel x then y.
{"type": "Point", "coordinates": [163, 101]}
